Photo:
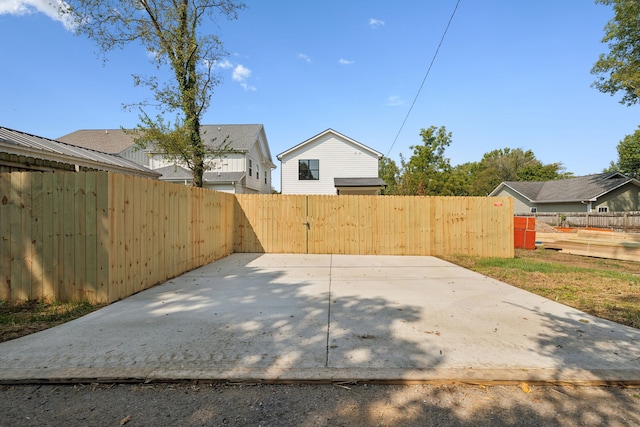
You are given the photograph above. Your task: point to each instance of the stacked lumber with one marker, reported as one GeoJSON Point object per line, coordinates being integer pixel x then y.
{"type": "Point", "coordinates": [599, 244]}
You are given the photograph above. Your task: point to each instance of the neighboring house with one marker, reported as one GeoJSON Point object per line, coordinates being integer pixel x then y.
{"type": "Point", "coordinates": [21, 151]}
{"type": "Point", "coordinates": [244, 168]}
{"type": "Point", "coordinates": [604, 192]}
{"type": "Point", "coordinates": [330, 163]}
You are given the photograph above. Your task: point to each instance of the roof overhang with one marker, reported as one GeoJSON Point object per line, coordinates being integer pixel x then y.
{"type": "Point", "coordinates": [504, 184]}
{"type": "Point", "coordinates": [373, 182]}
{"type": "Point", "coordinates": [35, 153]}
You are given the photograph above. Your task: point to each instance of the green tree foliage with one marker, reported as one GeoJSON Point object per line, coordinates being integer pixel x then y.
{"type": "Point", "coordinates": [172, 33]}
{"type": "Point", "coordinates": [427, 171]}
{"type": "Point", "coordinates": [463, 178]}
{"type": "Point", "coordinates": [509, 164]}
{"type": "Point", "coordinates": [619, 70]}
{"type": "Point", "coordinates": [629, 155]}
{"type": "Point", "coordinates": [389, 172]}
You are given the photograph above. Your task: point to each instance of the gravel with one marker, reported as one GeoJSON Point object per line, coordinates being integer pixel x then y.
{"type": "Point", "coordinates": [316, 405]}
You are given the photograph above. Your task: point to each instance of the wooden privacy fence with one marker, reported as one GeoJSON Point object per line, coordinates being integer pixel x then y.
{"type": "Point", "coordinates": [374, 225]}
{"type": "Point", "coordinates": [101, 236]}
{"type": "Point", "coordinates": [617, 221]}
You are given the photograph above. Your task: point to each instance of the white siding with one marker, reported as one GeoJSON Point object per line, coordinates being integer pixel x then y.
{"type": "Point", "coordinates": [158, 161]}
{"type": "Point", "coordinates": [338, 158]}
{"type": "Point", "coordinates": [224, 188]}
{"type": "Point", "coordinates": [259, 170]}
{"type": "Point", "coordinates": [232, 162]}
{"type": "Point", "coordinates": [136, 155]}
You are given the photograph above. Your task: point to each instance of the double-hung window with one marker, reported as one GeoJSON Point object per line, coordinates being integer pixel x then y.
{"type": "Point", "coordinates": [309, 169]}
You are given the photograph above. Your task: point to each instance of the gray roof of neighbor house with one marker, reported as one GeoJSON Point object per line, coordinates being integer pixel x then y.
{"type": "Point", "coordinates": [179, 173]}
{"type": "Point", "coordinates": [24, 144]}
{"type": "Point", "coordinates": [174, 173]}
{"type": "Point", "coordinates": [112, 141]}
{"type": "Point", "coordinates": [578, 189]}
{"type": "Point", "coordinates": [222, 177]}
{"type": "Point", "coordinates": [239, 137]}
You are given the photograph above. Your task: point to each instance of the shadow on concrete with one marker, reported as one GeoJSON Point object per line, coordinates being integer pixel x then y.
{"type": "Point", "coordinates": [576, 340]}
{"type": "Point", "coordinates": [230, 319]}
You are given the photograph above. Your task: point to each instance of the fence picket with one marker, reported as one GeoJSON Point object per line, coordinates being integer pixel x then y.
{"type": "Point", "coordinates": [102, 236]}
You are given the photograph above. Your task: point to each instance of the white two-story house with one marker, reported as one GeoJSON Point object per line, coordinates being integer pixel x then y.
{"type": "Point", "coordinates": [245, 166]}
{"type": "Point", "coordinates": [330, 163]}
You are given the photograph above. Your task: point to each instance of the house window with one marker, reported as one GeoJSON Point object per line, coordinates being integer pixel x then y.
{"type": "Point", "coordinates": [534, 210]}
{"type": "Point", "coordinates": [309, 169]}
{"type": "Point", "coordinates": [603, 209]}
{"type": "Point", "coordinates": [250, 168]}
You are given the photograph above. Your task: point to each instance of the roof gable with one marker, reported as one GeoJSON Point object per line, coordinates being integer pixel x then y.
{"type": "Point", "coordinates": [321, 135]}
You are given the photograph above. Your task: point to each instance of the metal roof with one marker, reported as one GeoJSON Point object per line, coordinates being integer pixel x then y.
{"type": "Point", "coordinates": [24, 144]}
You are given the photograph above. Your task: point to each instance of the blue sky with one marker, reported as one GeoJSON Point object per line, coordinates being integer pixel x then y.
{"type": "Point", "coordinates": [509, 74]}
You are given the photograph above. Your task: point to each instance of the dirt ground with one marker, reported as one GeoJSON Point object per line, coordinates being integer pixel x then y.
{"type": "Point", "coordinates": [316, 405]}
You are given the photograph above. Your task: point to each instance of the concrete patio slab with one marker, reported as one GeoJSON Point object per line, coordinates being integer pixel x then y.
{"type": "Point", "coordinates": [308, 318]}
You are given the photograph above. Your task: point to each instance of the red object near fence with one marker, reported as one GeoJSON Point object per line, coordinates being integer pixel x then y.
{"type": "Point", "coordinates": [524, 232]}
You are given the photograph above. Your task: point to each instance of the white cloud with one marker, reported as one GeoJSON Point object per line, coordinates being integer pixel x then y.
{"type": "Point", "coordinates": [345, 61]}
{"type": "Point", "coordinates": [51, 8]}
{"type": "Point", "coordinates": [226, 64]}
{"type": "Point", "coordinates": [375, 23]}
{"type": "Point", "coordinates": [241, 73]}
{"type": "Point", "coordinates": [304, 57]}
{"type": "Point", "coordinates": [248, 88]}
{"type": "Point", "coordinates": [394, 101]}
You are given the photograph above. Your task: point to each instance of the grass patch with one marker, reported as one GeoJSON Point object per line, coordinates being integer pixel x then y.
{"type": "Point", "coordinates": [609, 289]}
{"type": "Point", "coordinates": [19, 319]}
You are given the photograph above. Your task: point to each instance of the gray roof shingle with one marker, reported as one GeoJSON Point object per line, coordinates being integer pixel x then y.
{"type": "Point", "coordinates": [113, 141]}
{"type": "Point", "coordinates": [174, 173]}
{"type": "Point", "coordinates": [218, 177]}
{"type": "Point", "coordinates": [576, 189]}
{"type": "Point", "coordinates": [179, 173]}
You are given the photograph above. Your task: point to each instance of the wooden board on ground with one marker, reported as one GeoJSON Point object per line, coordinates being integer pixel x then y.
{"type": "Point", "coordinates": [622, 246]}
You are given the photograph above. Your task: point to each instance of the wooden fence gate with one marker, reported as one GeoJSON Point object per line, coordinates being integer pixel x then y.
{"type": "Point", "coordinates": [374, 225]}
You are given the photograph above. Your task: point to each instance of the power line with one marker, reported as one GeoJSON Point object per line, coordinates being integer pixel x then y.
{"type": "Point", "coordinates": [425, 77]}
